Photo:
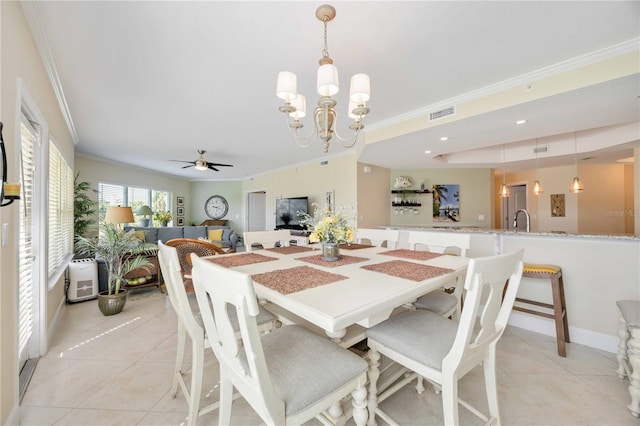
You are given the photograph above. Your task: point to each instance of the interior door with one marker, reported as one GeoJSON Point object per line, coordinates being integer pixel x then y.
{"type": "Point", "coordinates": [517, 200]}
{"type": "Point", "coordinates": [256, 211]}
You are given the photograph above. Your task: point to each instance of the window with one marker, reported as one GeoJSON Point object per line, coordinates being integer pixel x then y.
{"type": "Point", "coordinates": [119, 195]}
{"type": "Point", "coordinates": [60, 210]}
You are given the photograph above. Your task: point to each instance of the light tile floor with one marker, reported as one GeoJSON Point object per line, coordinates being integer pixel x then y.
{"type": "Point", "coordinates": [117, 371]}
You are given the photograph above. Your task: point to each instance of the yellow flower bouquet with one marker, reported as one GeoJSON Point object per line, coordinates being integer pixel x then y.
{"type": "Point", "coordinates": [327, 227]}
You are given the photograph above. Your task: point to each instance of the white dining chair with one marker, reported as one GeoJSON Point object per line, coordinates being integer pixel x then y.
{"type": "Point", "coordinates": [440, 301]}
{"type": "Point", "coordinates": [288, 376]}
{"type": "Point", "coordinates": [268, 239]}
{"type": "Point", "coordinates": [443, 351]}
{"type": "Point", "coordinates": [378, 237]}
{"type": "Point", "coordinates": [189, 323]}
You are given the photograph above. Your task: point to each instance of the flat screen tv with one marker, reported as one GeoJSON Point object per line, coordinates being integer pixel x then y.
{"type": "Point", "coordinates": [287, 212]}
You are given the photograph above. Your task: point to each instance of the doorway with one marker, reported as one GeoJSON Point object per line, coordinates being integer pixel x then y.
{"type": "Point", "coordinates": [256, 211]}
{"type": "Point", "coordinates": [517, 200]}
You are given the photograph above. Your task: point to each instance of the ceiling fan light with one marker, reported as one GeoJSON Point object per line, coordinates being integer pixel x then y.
{"type": "Point", "coordinates": [576, 186]}
{"type": "Point", "coordinates": [287, 86]}
{"type": "Point", "coordinates": [360, 90]}
{"type": "Point", "coordinates": [328, 80]}
{"type": "Point", "coordinates": [201, 164]}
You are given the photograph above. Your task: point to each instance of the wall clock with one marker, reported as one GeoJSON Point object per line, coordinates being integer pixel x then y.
{"type": "Point", "coordinates": [216, 207]}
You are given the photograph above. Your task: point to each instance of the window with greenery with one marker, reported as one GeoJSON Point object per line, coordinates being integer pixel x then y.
{"type": "Point", "coordinates": [119, 195]}
{"type": "Point", "coordinates": [60, 238]}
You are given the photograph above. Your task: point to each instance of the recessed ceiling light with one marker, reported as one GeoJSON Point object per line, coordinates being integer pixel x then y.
{"type": "Point", "coordinates": [428, 151]}
{"type": "Point", "coordinates": [444, 138]}
{"type": "Point", "coordinates": [521, 122]}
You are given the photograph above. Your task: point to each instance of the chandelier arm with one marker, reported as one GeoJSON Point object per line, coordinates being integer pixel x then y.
{"type": "Point", "coordinates": [345, 142]}
{"type": "Point", "coordinates": [300, 139]}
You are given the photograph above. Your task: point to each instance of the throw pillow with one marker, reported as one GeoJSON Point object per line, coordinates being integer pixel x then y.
{"type": "Point", "coordinates": [215, 234]}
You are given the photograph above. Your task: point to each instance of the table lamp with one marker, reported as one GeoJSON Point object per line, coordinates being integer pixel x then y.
{"type": "Point", "coordinates": [119, 215]}
{"type": "Point", "coordinates": [145, 211]}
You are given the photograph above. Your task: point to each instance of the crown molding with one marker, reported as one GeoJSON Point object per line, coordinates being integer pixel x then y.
{"type": "Point", "coordinates": [523, 79]}
{"type": "Point", "coordinates": [30, 10]}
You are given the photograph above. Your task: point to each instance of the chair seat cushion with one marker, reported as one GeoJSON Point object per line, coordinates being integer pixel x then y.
{"type": "Point", "coordinates": [437, 301]}
{"type": "Point", "coordinates": [305, 367]}
{"type": "Point", "coordinates": [630, 310]}
{"type": "Point", "coordinates": [420, 335]}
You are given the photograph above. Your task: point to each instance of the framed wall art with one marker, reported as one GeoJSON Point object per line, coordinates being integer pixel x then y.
{"type": "Point", "coordinates": [557, 205]}
{"type": "Point", "coordinates": [179, 201]}
{"type": "Point", "coordinates": [180, 211]}
{"type": "Point", "coordinates": [180, 221]}
{"type": "Point", "coordinates": [329, 201]}
{"type": "Point", "coordinates": [446, 203]}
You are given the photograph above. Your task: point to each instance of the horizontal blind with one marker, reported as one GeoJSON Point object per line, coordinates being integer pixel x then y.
{"type": "Point", "coordinates": [60, 209]}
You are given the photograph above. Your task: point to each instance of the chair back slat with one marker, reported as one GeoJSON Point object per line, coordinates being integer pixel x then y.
{"type": "Point", "coordinates": [186, 246]}
{"type": "Point", "coordinates": [217, 290]}
{"type": "Point", "coordinates": [485, 283]}
{"type": "Point", "coordinates": [440, 242]}
{"type": "Point", "coordinates": [268, 239]}
{"type": "Point", "coordinates": [378, 237]}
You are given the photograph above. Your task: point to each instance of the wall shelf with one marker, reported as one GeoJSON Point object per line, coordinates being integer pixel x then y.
{"type": "Point", "coordinates": [410, 191]}
{"type": "Point", "coordinates": [406, 204]}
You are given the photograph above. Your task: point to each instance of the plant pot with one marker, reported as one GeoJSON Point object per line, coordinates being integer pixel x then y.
{"type": "Point", "coordinates": [330, 252]}
{"type": "Point", "coordinates": [112, 304]}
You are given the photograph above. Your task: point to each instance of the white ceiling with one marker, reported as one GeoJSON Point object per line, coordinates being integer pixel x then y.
{"type": "Point", "coordinates": [147, 82]}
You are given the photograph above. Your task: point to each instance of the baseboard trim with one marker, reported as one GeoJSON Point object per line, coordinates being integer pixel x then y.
{"type": "Point", "coordinates": [55, 322]}
{"type": "Point", "coordinates": [578, 335]}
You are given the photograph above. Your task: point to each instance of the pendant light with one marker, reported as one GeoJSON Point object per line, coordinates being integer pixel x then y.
{"type": "Point", "coordinates": [504, 189]}
{"type": "Point", "coordinates": [537, 187]}
{"type": "Point", "coordinates": [576, 186]}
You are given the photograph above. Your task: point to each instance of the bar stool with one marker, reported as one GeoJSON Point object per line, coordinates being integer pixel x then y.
{"type": "Point", "coordinates": [553, 273]}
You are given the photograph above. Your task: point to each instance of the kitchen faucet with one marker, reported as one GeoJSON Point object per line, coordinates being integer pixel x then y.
{"type": "Point", "coordinates": [526, 215]}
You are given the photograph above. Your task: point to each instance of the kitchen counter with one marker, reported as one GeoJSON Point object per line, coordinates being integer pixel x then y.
{"type": "Point", "coordinates": [598, 270]}
{"type": "Point", "coordinates": [471, 229]}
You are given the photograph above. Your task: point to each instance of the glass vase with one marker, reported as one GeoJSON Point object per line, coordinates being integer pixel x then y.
{"type": "Point", "coordinates": [330, 252]}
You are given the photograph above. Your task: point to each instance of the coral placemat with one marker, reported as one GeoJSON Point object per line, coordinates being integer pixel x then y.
{"type": "Point", "coordinates": [240, 259]}
{"type": "Point", "coordinates": [290, 249]}
{"type": "Point", "coordinates": [411, 254]}
{"type": "Point", "coordinates": [354, 246]}
{"type": "Point", "coordinates": [408, 270]}
{"type": "Point", "coordinates": [287, 281]}
{"type": "Point", "coordinates": [344, 260]}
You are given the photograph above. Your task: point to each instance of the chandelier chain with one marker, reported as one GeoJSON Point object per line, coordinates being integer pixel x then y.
{"type": "Point", "coordinates": [325, 51]}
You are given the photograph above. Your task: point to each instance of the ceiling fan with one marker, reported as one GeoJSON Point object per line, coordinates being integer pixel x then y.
{"type": "Point", "coordinates": [202, 164]}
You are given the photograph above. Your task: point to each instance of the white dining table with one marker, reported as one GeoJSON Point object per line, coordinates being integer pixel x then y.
{"type": "Point", "coordinates": [364, 298]}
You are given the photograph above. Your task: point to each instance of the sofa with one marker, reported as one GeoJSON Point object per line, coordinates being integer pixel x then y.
{"type": "Point", "coordinates": [228, 238]}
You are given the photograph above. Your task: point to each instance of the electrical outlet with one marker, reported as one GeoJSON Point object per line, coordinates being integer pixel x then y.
{"type": "Point", "coordinates": [480, 217]}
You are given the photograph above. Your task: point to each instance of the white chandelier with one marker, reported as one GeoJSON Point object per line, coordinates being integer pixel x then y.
{"type": "Point", "coordinates": [324, 115]}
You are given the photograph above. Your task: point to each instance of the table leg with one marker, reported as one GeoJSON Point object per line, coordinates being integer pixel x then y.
{"type": "Point", "coordinates": [623, 339]}
{"type": "Point", "coordinates": [336, 336]}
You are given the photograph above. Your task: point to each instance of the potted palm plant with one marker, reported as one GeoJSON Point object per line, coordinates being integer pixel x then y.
{"type": "Point", "coordinates": [121, 252]}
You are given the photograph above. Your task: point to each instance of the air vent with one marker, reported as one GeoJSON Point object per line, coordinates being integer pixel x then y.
{"type": "Point", "coordinates": [541, 149]}
{"type": "Point", "coordinates": [324, 163]}
{"type": "Point", "coordinates": [586, 158]}
{"type": "Point", "coordinates": [445, 112]}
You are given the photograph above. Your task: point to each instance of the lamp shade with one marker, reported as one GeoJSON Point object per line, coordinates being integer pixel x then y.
{"type": "Point", "coordinates": [327, 80]}
{"type": "Point", "coordinates": [360, 90]}
{"type": "Point", "coordinates": [119, 215]}
{"type": "Point", "coordinates": [300, 103]}
{"type": "Point", "coordinates": [576, 186]}
{"type": "Point", "coordinates": [287, 86]}
{"type": "Point", "coordinates": [145, 211]}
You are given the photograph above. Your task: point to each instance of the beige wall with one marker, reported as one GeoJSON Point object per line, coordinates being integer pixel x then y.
{"type": "Point", "coordinates": [94, 170]}
{"type": "Point", "coordinates": [20, 61]}
{"type": "Point", "coordinates": [230, 190]}
{"type": "Point", "coordinates": [629, 199]}
{"type": "Point", "coordinates": [601, 206]}
{"type": "Point", "coordinates": [312, 180]}
{"type": "Point", "coordinates": [374, 196]}
{"type": "Point", "coordinates": [476, 186]}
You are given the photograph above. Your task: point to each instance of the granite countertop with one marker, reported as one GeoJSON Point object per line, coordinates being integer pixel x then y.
{"type": "Point", "coordinates": [477, 230]}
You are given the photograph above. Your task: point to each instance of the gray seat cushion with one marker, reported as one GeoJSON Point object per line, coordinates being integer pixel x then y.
{"type": "Point", "coordinates": [421, 335]}
{"type": "Point", "coordinates": [630, 310]}
{"type": "Point", "coordinates": [437, 301]}
{"type": "Point", "coordinates": [305, 367]}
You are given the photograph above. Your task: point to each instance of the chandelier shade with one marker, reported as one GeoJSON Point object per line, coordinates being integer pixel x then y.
{"type": "Point", "coordinates": [576, 186]}
{"type": "Point", "coordinates": [327, 84]}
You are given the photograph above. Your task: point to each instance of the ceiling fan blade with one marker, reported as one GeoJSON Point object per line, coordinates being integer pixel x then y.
{"type": "Point", "coordinates": [182, 161]}
{"type": "Point", "coordinates": [185, 167]}
{"type": "Point", "coordinates": [210, 166]}
{"type": "Point", "coordinates": [220, 164]}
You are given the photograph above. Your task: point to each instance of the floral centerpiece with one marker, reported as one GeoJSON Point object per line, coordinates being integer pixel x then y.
{"type": "Point", "coordinates": [163, 217]}
{"type": "Point", "coordinates": [330, 229]}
